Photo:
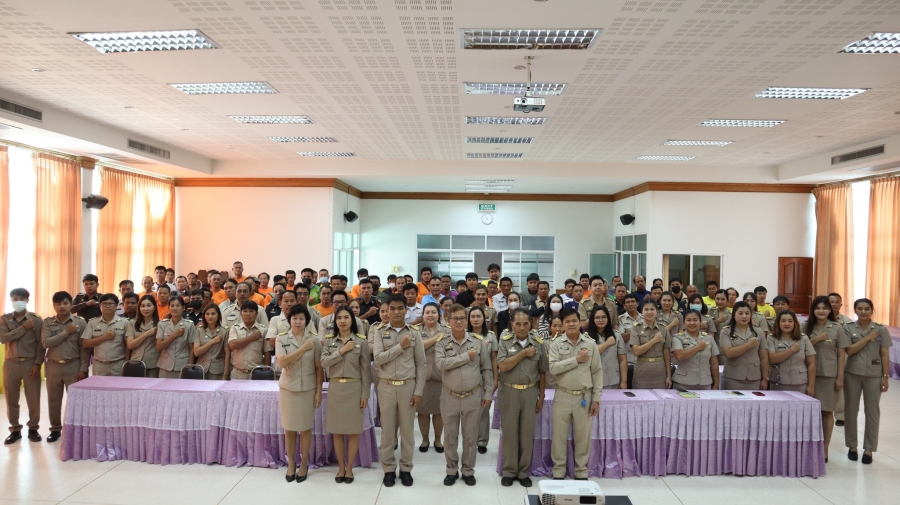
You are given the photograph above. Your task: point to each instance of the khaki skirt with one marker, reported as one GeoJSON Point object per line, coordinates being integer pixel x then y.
{"type": "Point", "coordinates": [800, 388]}
{"type": "Point", "coordinates": [297, 409]}
{"type": "Point", "coordinates": [650, 375]}
{"type": "Point", "coordinates": [342, 413]}
{"type": "Point", "coordinates": [431, 399]}
{"type": "Point", "coordinates": [825, 393]}
{"type": "Point", "coordinates": [689, 387]}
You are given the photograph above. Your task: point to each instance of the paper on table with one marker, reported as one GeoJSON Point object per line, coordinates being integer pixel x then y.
{"type": "Point", "coordinates": [725, 395]}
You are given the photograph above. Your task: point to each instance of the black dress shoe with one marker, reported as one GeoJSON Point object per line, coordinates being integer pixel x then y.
{"type": "Point", "coordinates": [34, 436]}
{"type": "Point", "coordinates": [300, 478]}
{"type": "Point", "coordinates": [482, 450]}
{"type": "Point", "coordinates": [13, 437]}
{"type": "Point", "coordinates": [290, 478]}
{"type": "Point", "coordinates": [348, 480]}
{"type": "Point", "coordinates": [54, 436]}
{"type": "Point", "coordinates": [406, 479]}
{"type": "Point", "coordinates": [580, 478]}
{"type": "Point", "coordinates": [469, 480]}
{"type": "Point", "coordinates": [507, 481]}
{"type": "Point", "coordinates": [526, 482]}
{"type": "Point", "coordinates": [558, 478]}
{"type": "Point", "coordinates": [867, 459]}
{"type": "Point", "coordinates": [852, 455]}
{"type": "Point", "coordinates": [424, 448]}
{"type": "Point", "coordinates": [439, 449]}
{"type": "Point", "coordinates": [451, 479]}
{"type": "Point", "coordinates": [389, 479]}
{"type": "Point", "coordinates": [339, 480]}
{"type": "Point", "coordinates": [839, 423]}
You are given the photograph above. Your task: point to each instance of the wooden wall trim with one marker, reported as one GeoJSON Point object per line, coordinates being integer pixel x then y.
{"type": "Point", "coordinates": [628, 193]}
{"type": "Point", "coordinates": [502, 197]}
{"type": "Point", "coordinates": [346, 188]}
{"type": "Point", "coordinates": [88, 163]}
{"type": "Point", "coordinates": [715, 187]}
{"type": "Point", "coordinates": [218, 182]}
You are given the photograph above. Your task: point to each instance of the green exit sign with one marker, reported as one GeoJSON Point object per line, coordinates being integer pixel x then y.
{"type": "Point", "coordinates": [487, 207]}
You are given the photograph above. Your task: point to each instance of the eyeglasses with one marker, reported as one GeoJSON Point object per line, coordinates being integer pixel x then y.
{"type": "Point", "coordinates": [107, 304]}
{"type": "Point", "coordinates": [458, 319]}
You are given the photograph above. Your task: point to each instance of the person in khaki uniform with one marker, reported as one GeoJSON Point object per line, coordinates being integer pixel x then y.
{"type": "Point", "coordinates": [299, 354]}
{"type": "Point", "coordinates": [429, 409]}
{"type": "Point", "coordinates": [280, 324]}
{"type": "Point", "coordinates": [696, 352]}
{"type": "Point", "coordinates": [598, 296]}
{"type": "Point", "coordinates": [232, 314]}
{"type": "Point", "coordinates": [67, 361]}
{"type": "Point", "coordinates": [209, 344]}
{"type": "Point", "coordinates": [575, 362]}
{"type": "Point", "coordinates": [668, 313]}
{"type": "Point", "coordinates": [400, 359]}
{"type": "Point", "coordinates": [346, 356]}
{"type": "Point", "coordinates": [326, 324]}
{"type": "Point", "coordinates": [20, 333]}
{"type": "Point", "coordinates": [107, 335]}
{"type": "Point", "coordinates": [246, 344]}
{"type": "Point", "coordinates": [175, 337]}
{"type": "Point", "coordinates": [467, 378]}
{"type": "Point", "coordinates": [522, 360]}
{"type": "Point", "coordinates": [611, 347]}
{"type": "Point", "coordinates": [478, 325]}
{"type": "Point", "coordinates": [866, 377]}
{"type": "Point", "coordinates": [758, 319]}
{"type": "Point", "coordinates": [720, 313]}
{"type": "Point", "coordinates": [143, 344]}
{"type": "Point", "coordinates": [836, 301]}
{"type": "Point", "coordinates": [301, 292]}
{"type": "Point", "coordinates": [794, 355]}
{"type": "Point", "coordinates": [651, 343]}
{"type": "Point", "coordinates": [746, 361]}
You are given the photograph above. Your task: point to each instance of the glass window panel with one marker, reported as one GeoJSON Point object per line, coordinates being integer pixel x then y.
{"type": "Point", "coordinates": [513, 267]}
{"type": "Point", "coordinates": [628, 243]}
{"type": "Point", "coordinates": [438, 261]}
{"type": "Point", "coordinates": [618, 243]}
{"type": "Point", "coordinates": [355, 241]}
{"type": "Point", "coordinates": [603, 264]}
{"type": "Point", "coordinates": [433, 241]}
{"type": "Point", "coordinates": [640, 242]}
{"type": "Point", "coordinates": [642, 269]}
{"type": "Point", "coordinates": [626, 267]}
{"type": "Point", "coordinates": [705, 269]}
{"type": "Point", "coordinates": [473, 242]}
{"type": "Point", "coordinates": [545, 268]}
{"type": "Point", "coordinates": [676, 265]}
{"type": "Point", "coordinates": [503, 243]}
{"type": "Point", "coordinates": [461, 263]}
{"type": "Point", "coordinates": [538, 243]}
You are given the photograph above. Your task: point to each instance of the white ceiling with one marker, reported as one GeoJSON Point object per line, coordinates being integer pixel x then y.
{"type": "Point", "coordinates": [384, 77]}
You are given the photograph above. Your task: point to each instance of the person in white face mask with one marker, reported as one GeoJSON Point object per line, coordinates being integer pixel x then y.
{"type": "Point", "coordinates": [20, 333]}
{"type": "Point", "coordinates": [553, 307]}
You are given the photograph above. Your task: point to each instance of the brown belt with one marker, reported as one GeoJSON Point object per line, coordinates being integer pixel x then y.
{"type": "Point", "coordinates": [108, 362]}
{"type": "Point", "coordinates": [570, 391]}
{"type": "Point", "coordinates": [650, 360]}
{"type": "Point", "coordinates": [21, 359]}
{"type": "Point", "coordinates": [520, 386]}
{"type": "Point", "coordinates": [462, 395]}
{"type": "Point", "coordinates": [344, 379]}
{"type": "Point", "coordinates": [63, 361]}
{"type": "Point", "coordinates": [396, 383]}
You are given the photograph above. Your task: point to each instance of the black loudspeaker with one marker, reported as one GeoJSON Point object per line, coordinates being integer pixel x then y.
{"type": "Point", "coordinates": [350, 216]}
{"type": "Point", "coordinates": [626, 219]}
{"type": "Point", "coordinates": [95, 201]}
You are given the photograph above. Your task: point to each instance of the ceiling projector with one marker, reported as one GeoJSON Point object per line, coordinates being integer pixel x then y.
{"type": "Point", "coordinates": [528, 104]}
{"type": "Point", "coordinates": [570, 492]}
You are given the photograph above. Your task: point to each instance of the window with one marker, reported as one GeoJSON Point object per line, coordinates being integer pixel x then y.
{"type": "Point", "coordinates": [346, 254]}
{"type": "Point", "coordinates": [22, 208]}
{"type": "Point", "coordinates": [630, 258]}
{"type": "Point", "coordinates": [696, 269]}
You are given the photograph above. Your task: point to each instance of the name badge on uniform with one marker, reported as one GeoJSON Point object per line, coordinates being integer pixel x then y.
{"type": "Point", "coordinates": [876, 361]}
{"type": "Point", "coordinates": [512, 349]}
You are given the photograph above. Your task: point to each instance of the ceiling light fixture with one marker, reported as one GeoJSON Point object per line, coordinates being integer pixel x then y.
{"type": "Point", "coordinates": [499, 140]}
{"type": "Point", "coordinates": [578, 38]}
{"type": "Point", "coordinates": [749, 123]}
{"type": "Point", "coordinates": [512, 88]}
{"type": "Point", "coordinates": [487, 191]}
{"type": "Point", "coordinates": [665, 158]}
{"type": "Point", "coordinates": [490, 181]}
{"type": "Point", "coordinates": [877, 43]}
{"type": "Point", "coordinates": [488, 186]}
{"type": "Point", "coordinates": [303, 139]}
{"type": "Point", "coordinates": [493, 155]}
{"type": "Point", "coordinates": [504, 120]}
{"type": "Point", "coordinates": [4, 126]}
{"type": "Point", "coordinates": [326, 154]}
{"type": "Point", "coordinates": [810, 93]}
{"type": "Point", "coordinates": [226, 88]}
{"type": "Point", "coordinates": [134, 42]}
{"type": "Point", "coordinates": [272, 119]}
{"type": "Point", "coordinates": [702, 143]}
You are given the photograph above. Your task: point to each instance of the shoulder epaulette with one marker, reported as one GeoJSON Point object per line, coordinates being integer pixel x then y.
{"type": "Point", "coordinates": [360, 335]}
{"type": "Point", "coordinates": [77, 317]}
{"type": "Point", "coordinates": [702, 333]}
{"type": "Point", "coordinates": [93, 319]}
{"type": "Point", "coordinates": [312, 331]}
{"type": "Point", "coordinates": [507, 336]}
{"type": "Point", "coordinates": [479, 337]}
{"type": "Point", "coordinates": [440, 337]}
{"type": "Point", "coordinates": [680, 334]}
{"type": "Point", "coordinates": [282, 333]}
{"type": "Point", "coordinates": [379, 325]}
{"type": "Point", "coordinates": [876, 324]}
{"type": "Point", "coordinates": [330, 335]}
{"type": "Point", "coordinates": [538, 339]}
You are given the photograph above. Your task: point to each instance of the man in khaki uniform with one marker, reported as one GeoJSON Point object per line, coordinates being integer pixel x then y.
{"type": "Point", "coordinates": [231, 315]}
{"type": "Point", "coordinates": [522, 359]}
{"type": "Point", "coordinates": [575, 363]}
{"type": "Point", "coordinates": [866, 376]}
{"type": "Point", "coordinates": [468, 379]}
{"type": "Point", "coordinates": [246, 343]}
{"type": "Point", "coordinates": [598, 296]}
{"type": "Point", "coordinates": [67, 361]}
{"type": "Point", "coordinates": [400, 360]}
{"type": "Point", "coordinates": [107, 335]}
{"type": "Point", "coordinates": [20, 333]}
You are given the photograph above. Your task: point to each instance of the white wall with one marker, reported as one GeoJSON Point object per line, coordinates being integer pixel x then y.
{"type": "Point", "coordinates": [268, 229]}
{"type": "Point", "coordinates": [389, 229]}
{"type": "Point", "coordinates": [341, 203]}
{"type": "Point", "coordinates": [640, 206]}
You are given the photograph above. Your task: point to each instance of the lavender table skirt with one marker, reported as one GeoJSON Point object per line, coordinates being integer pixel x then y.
{"type": "Point", "coordinates": [895, 352]}
{"type": "Point", "coordinates": [168, 421]}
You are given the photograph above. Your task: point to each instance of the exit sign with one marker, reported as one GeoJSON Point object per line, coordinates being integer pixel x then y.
{"type": "Point", "coordinates": [487, 207]}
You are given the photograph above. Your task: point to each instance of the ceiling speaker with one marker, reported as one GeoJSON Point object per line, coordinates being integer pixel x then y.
{"type": "Point", "coordinates": [626, 219]}
{"type": "Point", "coordinates": [95, 201]}
{"type": "Point", "coordinates": [350, 216]}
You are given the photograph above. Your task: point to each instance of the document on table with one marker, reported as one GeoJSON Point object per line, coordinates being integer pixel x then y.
{"type": "Point", "coordinates": [725, 395]}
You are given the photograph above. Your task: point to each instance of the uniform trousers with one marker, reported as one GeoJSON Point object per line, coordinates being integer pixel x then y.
{"type": "Point", "coordinates": [394, 404]}
{"type": "Point", "coordinates": [113, 368]}
{"type": "Point", "coordinates": [869, 388]}
{"type": "Point", "coordinates": [690, 387]}
{"type": "Point", "coordinates": [839, 408]}
{"type": "Point", "coordinates": [59, 377]}
{"type": "Point", "coordinates": [460, 414]}
{"type": "Point", "coordinates": [568, 411]}
{"type": "Point", "coordinates": [152, 373]}
{"type": "Point", "coordinates": [484, 427]}
{"type": "Point", "coordinates": [15, 374]}
{"type": "Point", "coordinates": [169, 374]}
{"type": "Point", "coordinates": [213, 376]}
{"type": "Point", "coordinates": [740, 385]}
{"type": "Point", "coordinates": [517, 408]}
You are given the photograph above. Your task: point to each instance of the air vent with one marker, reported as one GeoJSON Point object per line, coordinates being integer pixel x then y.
{"type": "Point", "coordinates": [155, 151]}
{"type": "Point", "coordinates": [123, 159]}
{"type": "Point", "coordinates": [21, 110]}
{"type": "Point", "coordinates": [865, 153]}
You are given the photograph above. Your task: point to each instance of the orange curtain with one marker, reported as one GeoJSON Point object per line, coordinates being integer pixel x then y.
{"type": "Point", "coordinates": [57, 229]}
{"type": "Point", "coordinates": [136, 230]}
{"type": "Point", "coordinates": [834, 242]}
{"type": "Point", "coordinates": [883, 261]}
{"type": "Point", "coordinates": [4, 223]}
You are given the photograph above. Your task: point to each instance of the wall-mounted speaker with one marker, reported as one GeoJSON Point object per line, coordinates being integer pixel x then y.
{"type": "Point", "coordinates": [95, 201]}
{"type": "Point", "coordinates": [350, 216]}
{"type": "Point", "coordinates": [626, 219]}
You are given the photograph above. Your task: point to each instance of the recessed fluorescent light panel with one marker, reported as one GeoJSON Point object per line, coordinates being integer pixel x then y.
{"type": "Point", "coordinates": [493, 155]}
{"type": "Point", "coordinates": [504, 120]}
{"type": "Point", "coordinates": [226, 88]}
{"type": "Point", "coordinates": [489, 181]}
{"type": "Point", "coordinates": [528, 39]}
{"type": "Point", "coordinates": [877, 43]}
{"type": "Point", "coordinates": [499, 140]}
{"type": "Point", "coordinates": [489, 186]}
{"type": "Point", "coordinates": [486, 190]}
{"type": "Point", "coordinates": [749, 123]}
{"type": "Point", "coordinates": [327, 154]}
{"type": "Point", "coordinates": [135, 42]}
{"type": "Point", "coordinates": [512, 88]}
{"type": "Point", "coordinates": [702, 143]}
{"type": "Point", "coordinates": [303, 139]}
{"type": "Point", "coordinates": [665, 158]}
{"type": "Point", "coordinates": [272, 119]}
{"type": "Point", "coordinates": [4, 126]}
{"type": "Point", "coordinates": [810, 93]}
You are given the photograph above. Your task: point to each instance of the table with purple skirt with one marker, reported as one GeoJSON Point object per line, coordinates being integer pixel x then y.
{"type": "Point", "coordinates": [172, 421]}
{"type": "Point", "coordinates": [659, 432]}
{"type": "Point", "coordinates": [895, 352]}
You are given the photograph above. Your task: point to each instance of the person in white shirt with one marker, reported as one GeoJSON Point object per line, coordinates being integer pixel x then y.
{"type": "Point", "coordinates": [499, 300]}
{"type": "Point", "coordinates": [413, 308]}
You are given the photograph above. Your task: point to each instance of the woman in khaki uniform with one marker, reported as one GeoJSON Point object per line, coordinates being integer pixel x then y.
{"type": "Point", "coordinates": [667, 315]}
{"type": "Point", "coordinates": [650, 342]}
{"type": "Point", "coordinates": [142, 345]}
{"type": "Point", "coordinates": [174, 338]}
{"type": "Point", "coordinates": [720, 314]}
{"type": "Point", "coordinates": [758, 319]}
{"type": "Point", "coordinates": [299, 354]}
{"type": "Point", "coordinates": [695, 303]}
{"type": "Point", "coordinates": [830, 341]}
{"type": "Point", "coordinates": [348, 360]}
{"type": "Point", "coordinates": [445, 304]}
{"type": "Point", "coordinates": [479, 324]}
{"type": "Point", "coordinates": [355, 307]}
{"type": "Point", "coordinates": [696, 352]}
{"type": "Point", "coordinates": [610, 346]}
{"type": "Point", "coordinates": [209, 343]}
{"type": "Point", "coordinates": [429, 409]}
{"type": "Point", "coordinates": [746, 356]}
{"type": "Point", "coordinates": [794, 355]}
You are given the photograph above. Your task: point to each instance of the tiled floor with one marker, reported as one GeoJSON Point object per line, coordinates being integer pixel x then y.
{"type": "Point", "coordinates": [33, 474]}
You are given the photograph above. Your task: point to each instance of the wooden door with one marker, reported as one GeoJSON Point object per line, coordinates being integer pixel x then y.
{"type": "Point", "coordinates": [795, 279]}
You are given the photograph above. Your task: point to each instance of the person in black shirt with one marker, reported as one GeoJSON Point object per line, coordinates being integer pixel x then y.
{"type": "Point", "coordinates": [368, 304]}
{"type": "Point", "coordinates": [274, 307]}
{"type": "Point", "coordinates": [87, 305]}
{"type": "Point", "coordinates": [467, 297]}
{"type": "Point", "coordinates": [194, 308]}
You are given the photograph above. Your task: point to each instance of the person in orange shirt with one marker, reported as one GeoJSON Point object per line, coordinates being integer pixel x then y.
{"type": "Point", "coordinates": [425, 274]}
{"type": "Point", "coordinates": [254, 291]}
{"type": "Point", "coordinates": [290, 276]}
{"type": "Point", "coordinates": [325, 307]}
{"type": "Point", "coordinates": [215, 286]}
{"type": "Point", "coordinates": [238, 270]}
{"type": "Point", "coordinates": [147, 284]}
{"type": "Point", "coordinates": [361, 274]}
{"type": "Point", "coordinates": [162, 301]}
{"type": "Point", "coordinates": [585, 281]}
{"type": "Point", "coordinates": [493, 289]}
{"type": "Point", "coordinates": [264, 288]}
